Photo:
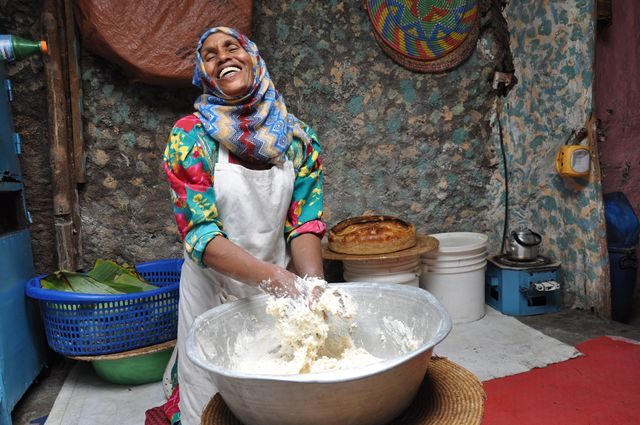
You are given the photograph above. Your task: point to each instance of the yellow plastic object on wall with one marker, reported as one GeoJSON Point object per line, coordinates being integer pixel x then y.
{"type": "Point", "coordinates": [573, 161]}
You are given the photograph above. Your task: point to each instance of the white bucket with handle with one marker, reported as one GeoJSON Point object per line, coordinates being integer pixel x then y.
{"type": "Point", "coordinates": [455, 274]}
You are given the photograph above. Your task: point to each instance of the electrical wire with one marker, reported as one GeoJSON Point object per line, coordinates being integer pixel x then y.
{"type": "Point", "coordinates": [506, 174]}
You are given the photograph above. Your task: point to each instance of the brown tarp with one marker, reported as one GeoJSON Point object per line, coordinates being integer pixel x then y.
{"type": "Point", "coordinates": [154, 41]}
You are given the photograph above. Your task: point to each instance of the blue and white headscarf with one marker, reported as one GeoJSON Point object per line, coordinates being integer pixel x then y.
{"type": "Point", "coordinates": [255, 126]}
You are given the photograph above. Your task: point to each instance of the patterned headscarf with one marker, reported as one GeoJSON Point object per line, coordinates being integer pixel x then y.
{"type": "Point", "coordinates": [255, 126]}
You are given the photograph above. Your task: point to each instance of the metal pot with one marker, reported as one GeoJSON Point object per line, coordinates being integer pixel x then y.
{"type": "Point", "coordinates": [335, 397]}
{"type": "Point", "coordinates": [523, 245]}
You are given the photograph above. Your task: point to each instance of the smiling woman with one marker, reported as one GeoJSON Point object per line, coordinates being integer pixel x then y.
{"type": "Point", "coordinates": [246, 188]}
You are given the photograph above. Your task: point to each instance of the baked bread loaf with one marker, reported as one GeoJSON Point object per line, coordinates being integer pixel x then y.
{"type": "Point", "coordinates": [372, 234]}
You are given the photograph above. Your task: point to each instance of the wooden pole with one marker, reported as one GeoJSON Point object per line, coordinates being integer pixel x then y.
{"type": "Point", "coordinates": [65, 195]}
{"type": "Point", "coordinates": [75, 94]}
{"type": "Point", "coordinates": [600, 295]}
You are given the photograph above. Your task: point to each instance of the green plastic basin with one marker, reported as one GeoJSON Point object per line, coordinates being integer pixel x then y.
{"type": "Point", "coordinates": [134, 370]}
{"type": "Point", "coordinates": [135, 367]}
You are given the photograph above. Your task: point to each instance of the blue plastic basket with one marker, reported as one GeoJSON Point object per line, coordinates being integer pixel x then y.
{"type": "Point", "coordinates": [89, 324]}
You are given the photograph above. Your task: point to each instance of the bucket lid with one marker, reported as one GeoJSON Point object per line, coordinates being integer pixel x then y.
{"type": "Point", "coordinates": [457, 242]}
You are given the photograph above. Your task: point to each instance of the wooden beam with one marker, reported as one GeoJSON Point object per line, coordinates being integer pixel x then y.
{"type": "Point", "coordinates": [65, 195]}
{"type": "Point", "coordinates": [65, 244]}
{"type": "Point", "coordinates": [600, 295]}
{"type": "Point", "coordinates": [75, 94]}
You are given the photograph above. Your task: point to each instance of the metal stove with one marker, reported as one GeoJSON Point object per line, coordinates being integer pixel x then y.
{"type": "Point", "coordinates": [522, 288]}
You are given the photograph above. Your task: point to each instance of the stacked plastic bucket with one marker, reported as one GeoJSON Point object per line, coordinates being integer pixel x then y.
{"type": "Point", "coordinates": [455, 274]}
{"type": "Point", "coordinates": [404, 270]}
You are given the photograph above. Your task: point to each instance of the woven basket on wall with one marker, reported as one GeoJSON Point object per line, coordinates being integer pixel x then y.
{"type": "Point", "coordinates": [425, 35]}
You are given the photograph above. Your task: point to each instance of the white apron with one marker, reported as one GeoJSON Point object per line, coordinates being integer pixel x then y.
{"type": "Point", "coordinates": [253, 205]}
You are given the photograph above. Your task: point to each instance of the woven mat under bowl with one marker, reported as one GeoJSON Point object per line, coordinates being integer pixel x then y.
{"type": "Point", "coordinates": [449, 395]}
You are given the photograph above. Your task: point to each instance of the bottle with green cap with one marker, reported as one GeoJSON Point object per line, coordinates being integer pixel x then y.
{"type": "Point", "coordinates": [13, 48]}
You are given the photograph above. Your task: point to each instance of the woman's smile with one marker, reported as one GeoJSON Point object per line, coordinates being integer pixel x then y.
{"type": "Point", "coordinates": [228, 72]}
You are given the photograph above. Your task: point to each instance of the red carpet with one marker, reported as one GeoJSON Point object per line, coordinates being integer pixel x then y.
{"type": "Point", "coordinates": [601, 387]}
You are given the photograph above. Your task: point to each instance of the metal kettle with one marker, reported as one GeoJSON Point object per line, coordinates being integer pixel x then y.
{"type": "Point", "coordinates": [523, 245]}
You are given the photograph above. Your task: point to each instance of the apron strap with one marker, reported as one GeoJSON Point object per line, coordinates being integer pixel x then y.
{"type": "Point", "coordinates": [223, 153]}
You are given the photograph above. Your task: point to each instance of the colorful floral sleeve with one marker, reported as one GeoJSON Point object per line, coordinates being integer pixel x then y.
{"type": "Point", "coordinates": [190, 175]}
{"type": "Point", "coordinates": [305, 212]}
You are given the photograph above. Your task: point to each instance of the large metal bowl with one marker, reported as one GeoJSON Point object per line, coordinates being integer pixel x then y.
{"type": "Point", "coordinates": [371, 395]}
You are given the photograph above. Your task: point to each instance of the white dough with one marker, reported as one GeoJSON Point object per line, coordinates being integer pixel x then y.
{"type": "Point", "coordinates": [308, 337]}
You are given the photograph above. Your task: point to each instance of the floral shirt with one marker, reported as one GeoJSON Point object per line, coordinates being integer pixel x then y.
{"type": "Point", "coordinates": [191, 177]}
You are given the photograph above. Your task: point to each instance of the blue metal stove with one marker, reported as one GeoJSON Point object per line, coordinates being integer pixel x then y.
{"type": "Point", "coordinates": [522, 288]}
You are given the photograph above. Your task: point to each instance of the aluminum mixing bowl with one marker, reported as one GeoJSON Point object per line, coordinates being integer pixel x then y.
{"type": "Point", "coordinates": [370, 395]}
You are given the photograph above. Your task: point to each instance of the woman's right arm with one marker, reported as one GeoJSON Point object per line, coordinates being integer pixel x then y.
{"type": "Point", "coordinates": [190, 175]}
{"type": "Point", "coordinates": [229, 259]}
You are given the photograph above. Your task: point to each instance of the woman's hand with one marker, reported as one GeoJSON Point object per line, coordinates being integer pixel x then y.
{"type": "Point", "coordinates": [281, 283]}
{"type": "Point", "coordinates": [228, 258]}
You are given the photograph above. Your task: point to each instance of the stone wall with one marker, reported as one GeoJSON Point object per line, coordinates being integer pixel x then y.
{"type": "Point", "coordinates": [394, 141]}
{"type": "Point", "coordinates": [421, 146]}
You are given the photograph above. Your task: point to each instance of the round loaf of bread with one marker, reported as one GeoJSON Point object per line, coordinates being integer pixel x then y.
{"type": "Point", "coordinates": [373, 234]}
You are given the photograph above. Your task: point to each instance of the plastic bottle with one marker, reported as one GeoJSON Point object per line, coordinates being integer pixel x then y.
{"type": "Point", "coordinates": [14, 48]}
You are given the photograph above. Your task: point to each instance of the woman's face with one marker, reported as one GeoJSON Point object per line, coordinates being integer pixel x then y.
{"type": "Point", "coordinates": [229, 66]}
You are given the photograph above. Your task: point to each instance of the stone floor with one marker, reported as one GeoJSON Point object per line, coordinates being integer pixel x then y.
{"type": "Point", "coordinates": [569, 326]}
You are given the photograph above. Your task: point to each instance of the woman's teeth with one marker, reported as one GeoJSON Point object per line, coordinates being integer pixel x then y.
{"type": "Point", "coordinates": [227, 71]}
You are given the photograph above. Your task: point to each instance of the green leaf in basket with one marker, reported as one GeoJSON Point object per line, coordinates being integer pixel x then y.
{"type": "Point", "coordinates": [105, 270]}
{"type": "Point", "coordinates": [56, 282]}
{"type": "Point", "coordinates": [121, 278]}
{"type": "Point", "coordinates": [129, 289]}
{"type": "Point", "coordinates": [87, 285]}
{"type": "Point", "coordinates": [75, 282]}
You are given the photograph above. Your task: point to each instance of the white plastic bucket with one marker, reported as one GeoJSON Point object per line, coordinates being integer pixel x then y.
{"type": "Point", "coordinates": [413, 282]}
{"type": "Point", "coordinates": [457, 270]}
{"type": "Point", "coordinates": [461, 292]}
{"type": "Point", "coordinates": [455, 274]}
{"type": "Point", "coordinates": [464, 262]}
{"type": "Point", "coordinates": [390, 278]}
{"type": "Point", "coordinates": [381, 267]}
{"type": "Point", "coordinates": [460, 242]}
{"type": "Point", "coordinates": [389, 262]}
{"type": "Point", "coordinates": [404, 271]}
{"type": "Point", "coordinates": [452, 259]}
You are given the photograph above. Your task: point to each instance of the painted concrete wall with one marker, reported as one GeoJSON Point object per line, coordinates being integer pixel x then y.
{"type": "Point", "coordinates": [552, 45]}
{"type": "Point", "coordinates": [617, 95]}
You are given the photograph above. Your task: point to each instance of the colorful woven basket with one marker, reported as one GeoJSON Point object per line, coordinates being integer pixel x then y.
{"type": "Point", "coordinates": [425, 35]}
